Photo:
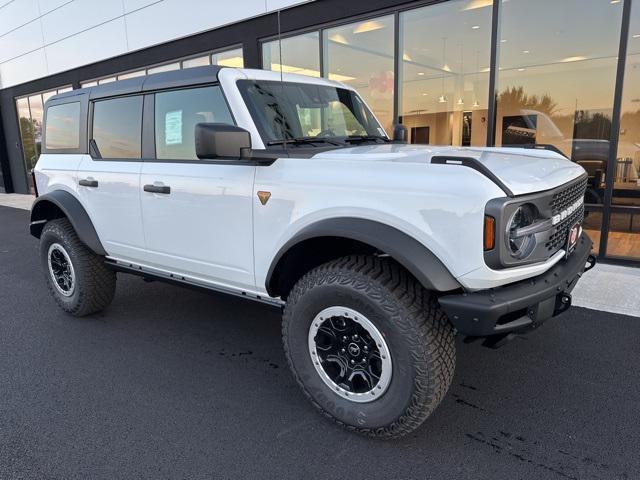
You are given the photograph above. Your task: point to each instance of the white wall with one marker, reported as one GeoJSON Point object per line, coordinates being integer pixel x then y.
{"type": "Point", "coordinates": [43, 37]}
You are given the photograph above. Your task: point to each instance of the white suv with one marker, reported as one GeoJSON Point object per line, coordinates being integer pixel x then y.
{"type": "Point", "coordinates": [288, 191]}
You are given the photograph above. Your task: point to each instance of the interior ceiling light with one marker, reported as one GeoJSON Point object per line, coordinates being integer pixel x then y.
{"type": "Point", "coordinates": [476, 104]}
{"type": "Point", "coordinates": [577, 58]}
{"type": "Point", "coordinates": [521, 69]}
{"type": "Point", "coordinates": [368, 26]}
{"type": "Point", "coordinates": [475, 27]}
{"type": "Point", "coordinates": [338, 38]}
{"type": "Point", "coordinates": [637, 35]}
{"type": "Point", "coordinates": [421, 73]}
{"type": "Point", "coordinates": [526, 51]}
{"type": "Point", "coordinates": [475, 4]}
{"type": "Point", "coordinates": [613, 2]}
{"type": "Point", "coordinates": [442, 99]}
{"type": "Point", "coordinates": [407, 58]}
{"type": "Point", "coordinates": [460, 101]}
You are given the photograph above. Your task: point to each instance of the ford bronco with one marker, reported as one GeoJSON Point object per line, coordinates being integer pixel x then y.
{"type": "Point", "coordinates": [287, 190]}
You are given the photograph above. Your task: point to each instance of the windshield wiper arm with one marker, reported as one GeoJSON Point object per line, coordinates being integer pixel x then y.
{"type": "Point", "coordinates": [304, 141]}
{"type": "Point", "coordinates": [364, 138]}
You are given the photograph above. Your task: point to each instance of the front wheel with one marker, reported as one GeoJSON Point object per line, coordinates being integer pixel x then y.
{"type": "Point", "coordinates": [368, 345]}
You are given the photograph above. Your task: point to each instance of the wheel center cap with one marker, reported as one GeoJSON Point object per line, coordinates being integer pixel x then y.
{"type": "Point", "coordinates": [354, 349]}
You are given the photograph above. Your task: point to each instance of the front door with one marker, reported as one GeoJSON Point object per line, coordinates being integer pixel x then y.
{"type": "Point", "coordinates": [197, 214]}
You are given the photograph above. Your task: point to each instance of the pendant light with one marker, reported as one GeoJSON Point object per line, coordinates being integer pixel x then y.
{"type": "Point", "coordinates": [461, 100]}
{"type": "Point", "coordinates": [443, 98]}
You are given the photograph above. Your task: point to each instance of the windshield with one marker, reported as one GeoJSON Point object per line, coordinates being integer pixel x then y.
{"type": "Point", "coordinates": [302, 112]}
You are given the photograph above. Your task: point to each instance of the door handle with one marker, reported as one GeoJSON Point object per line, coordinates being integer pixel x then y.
{"type": "Point", "coordinates": [165, 189]}
{"type": "Point", "coordinates": [88, 182]}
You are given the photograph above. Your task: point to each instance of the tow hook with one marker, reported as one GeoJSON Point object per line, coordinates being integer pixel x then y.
{"type": "Point", "coordinates": [563, 302]}
{"type": "Point", "coordinates": [591, 262]}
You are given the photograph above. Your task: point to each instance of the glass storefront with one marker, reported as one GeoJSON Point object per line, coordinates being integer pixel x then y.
{"type": "Point", "coordinates": [300, 54]}
{"type": "Point", "coordinates": [30, 115]}
{"type": "Point", "coordinates": [444, 74]}
{"type": "Point", "coordinates": [361, 55]}
{"type": "Point", "coordinates": [558, 88]}
{"type": "Point", "coordinates": [624, 222]}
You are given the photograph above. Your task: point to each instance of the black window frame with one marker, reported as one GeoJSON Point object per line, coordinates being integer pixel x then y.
{"type": "Point", "coordinates": [82, 125]}
{"type": "Point", "coordinates": [90, 122]}
{"type": "Point", "coordinates": [149, 152]}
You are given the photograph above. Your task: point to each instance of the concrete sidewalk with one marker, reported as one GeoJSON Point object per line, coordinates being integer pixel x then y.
{"type": "Point", "coordinates": [16, 200]}
{"type": "Point", "coordinates": [610, 288]}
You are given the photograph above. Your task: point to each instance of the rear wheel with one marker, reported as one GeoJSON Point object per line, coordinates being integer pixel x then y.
{"type": "Point", "coordinates": [77, 278]}
{"type": "Point", "coordinates": [368, 345]}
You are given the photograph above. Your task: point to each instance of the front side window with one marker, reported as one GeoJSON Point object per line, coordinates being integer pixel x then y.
{"type": "Point", "coordinates": [117, 127]}
{"type": "Point", "coordinates": [63, 126]}
{"type": "Point", "coordinates": [178, 113]}
{"type": "Point", "coordinates": [300, 111]}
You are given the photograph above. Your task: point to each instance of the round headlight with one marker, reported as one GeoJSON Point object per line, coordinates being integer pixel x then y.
{"type": "Point", "coordinates": [521, 245]}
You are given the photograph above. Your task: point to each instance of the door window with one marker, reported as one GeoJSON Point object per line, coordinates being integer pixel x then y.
{"type": "Point", "coordinates": [178, 113]}
{"type": "Point", "coordinates": [117, 127]}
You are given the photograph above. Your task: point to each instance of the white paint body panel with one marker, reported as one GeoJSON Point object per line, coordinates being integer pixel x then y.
{"type": "Point", "coordinates": [204, 227]}
{"type": "Point", "coordinates": [213, 229]}
{"type": "Point", "coordinates": [114, 207]}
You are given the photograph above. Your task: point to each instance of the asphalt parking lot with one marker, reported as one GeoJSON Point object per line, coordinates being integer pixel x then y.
{"type": "Point", "coordinates": [174, 383]}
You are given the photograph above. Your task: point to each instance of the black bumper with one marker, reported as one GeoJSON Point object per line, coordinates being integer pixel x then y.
{"type": "Point", "coordinates": [522, 305]}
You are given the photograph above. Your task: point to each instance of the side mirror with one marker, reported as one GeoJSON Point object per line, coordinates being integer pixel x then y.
{"type": "Point", "coordinates": [221, 140]}
{"type": "Point", "coordinates": [400, 133]}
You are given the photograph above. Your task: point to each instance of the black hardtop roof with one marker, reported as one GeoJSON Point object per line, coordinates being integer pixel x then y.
{"type": "Point", "coordinates": [155, 81]}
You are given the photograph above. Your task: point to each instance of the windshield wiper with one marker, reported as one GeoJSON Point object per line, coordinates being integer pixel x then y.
{"type": "Point", "coordinates": [366, 138]}
{"type": "Point", "coordinates": [305, 141]}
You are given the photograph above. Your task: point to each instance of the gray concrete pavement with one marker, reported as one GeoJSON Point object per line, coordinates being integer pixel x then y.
{"type": "Point", "coordinates": [173, 383]}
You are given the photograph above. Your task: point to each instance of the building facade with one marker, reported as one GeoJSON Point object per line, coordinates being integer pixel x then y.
{"type": "Point", "coordinates": [454, 72]}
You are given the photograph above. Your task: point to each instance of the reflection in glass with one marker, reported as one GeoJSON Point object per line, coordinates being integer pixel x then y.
{"type": "Point", "coordinates": [624, 229]}
{"type": "Point", "coordinates": [164, 68]}
{"type": "Point", "coordinates": [137, 73]}
{"type": "Point", "coordinates": [27, 133]}
{"type": "Point", "coordinates": [176, 115]}
{"type": "Point", "coordinates": [300, 54]}
{"type": "Point", "coordinates": [63, 126]}
{"type": "Point", "coordinates": [102, 81]}
{"type": "Point", "coordinates": [230, 58]}
{"type": "Point", "coordinates": [444, 74]}
{"type": "Point", "coordinates": [117, 127]}
{"type": "Point", "coordinates": [361, 55]}
{"type": "Point", "coordinates": [556, 85]}
{"type": "Point", "coordinates": [196, 62]}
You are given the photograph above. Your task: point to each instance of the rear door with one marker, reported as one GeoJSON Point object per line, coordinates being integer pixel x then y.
{"type": "Point", "coordinates": [109, 178]}
{"type": "Point", "coordinates": [197, 213]}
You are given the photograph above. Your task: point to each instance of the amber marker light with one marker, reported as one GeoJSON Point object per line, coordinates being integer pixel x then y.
{"type": "Point", "coordinates": [489, 232]}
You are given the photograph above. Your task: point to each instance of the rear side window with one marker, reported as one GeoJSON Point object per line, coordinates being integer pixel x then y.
{"type": "Point", "coordinates": [62, 131]}
{"type": "Point", "coordinates": [176, 116]}
{"type": "Point", "coordinates": [117, 127]}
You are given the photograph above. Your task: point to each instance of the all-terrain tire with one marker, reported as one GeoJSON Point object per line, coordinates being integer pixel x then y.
{"type": "Point", "coordinates": [419, 336]}
{"type": "Point", "coordinates": [94, 284]}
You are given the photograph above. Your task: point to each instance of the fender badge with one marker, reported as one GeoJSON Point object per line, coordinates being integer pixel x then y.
{"type": "Point", "coordinates": [264, 197]}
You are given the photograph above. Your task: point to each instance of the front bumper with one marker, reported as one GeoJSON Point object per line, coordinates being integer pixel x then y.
{"type": "Point", "coordinates": [522, 305]}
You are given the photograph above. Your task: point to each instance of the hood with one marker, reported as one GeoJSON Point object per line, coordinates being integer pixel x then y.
{"type": "Point", "coordinates": [521, 170]}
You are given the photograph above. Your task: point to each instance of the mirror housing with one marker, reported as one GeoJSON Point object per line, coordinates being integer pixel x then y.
{"type": "Point", "coordinates": [221, 141]}
{"type": "Point", "coordinates": [400, 133]}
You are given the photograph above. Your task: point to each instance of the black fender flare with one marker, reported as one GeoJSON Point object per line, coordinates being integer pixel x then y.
{"type": "Point", "coordinates": [406, 250]}
{"type": "Point", "coordinates": [70, 206]}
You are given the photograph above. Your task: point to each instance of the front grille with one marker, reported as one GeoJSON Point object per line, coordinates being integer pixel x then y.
{"type": "Point", "coordinates": [568, 196]}
{"type": "Point", "coordinates": [559, 202]}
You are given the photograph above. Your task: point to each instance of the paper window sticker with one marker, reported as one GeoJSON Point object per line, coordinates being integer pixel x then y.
{"type": "Point", "coordinates": [173, 127]}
